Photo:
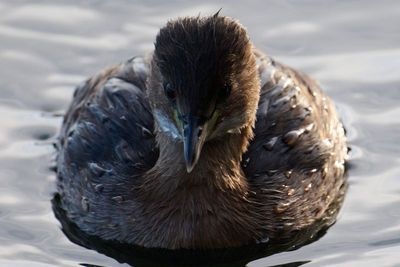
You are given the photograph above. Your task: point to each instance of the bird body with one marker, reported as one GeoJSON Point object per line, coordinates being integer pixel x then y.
{"type": "Point", "coordinates": [177, 165]}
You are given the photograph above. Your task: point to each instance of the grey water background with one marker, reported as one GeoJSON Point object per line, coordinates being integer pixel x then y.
{"type": "Point", "coordinates": [351, 47]}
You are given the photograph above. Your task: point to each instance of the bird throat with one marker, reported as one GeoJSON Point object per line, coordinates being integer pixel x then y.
{"type": "Point", "coordinates": [219, 165]}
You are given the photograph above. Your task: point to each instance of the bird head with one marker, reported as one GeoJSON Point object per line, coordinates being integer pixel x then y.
{"type": "Point", "coordinates": [204, 82]}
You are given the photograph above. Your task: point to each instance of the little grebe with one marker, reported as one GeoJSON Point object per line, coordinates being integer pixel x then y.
{"type": "Point", "coordinates": [207, 143]}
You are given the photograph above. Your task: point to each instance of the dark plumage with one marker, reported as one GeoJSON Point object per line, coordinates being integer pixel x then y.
{"type": "Point", "coordinates": [206, 144]}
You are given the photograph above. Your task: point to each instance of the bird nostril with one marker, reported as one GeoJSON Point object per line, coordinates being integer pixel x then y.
{"type": "Point", "coordinates": [200, 132]}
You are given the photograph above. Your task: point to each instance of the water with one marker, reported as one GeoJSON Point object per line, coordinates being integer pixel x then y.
{"type": "Point", "coordinates": [352, 48]}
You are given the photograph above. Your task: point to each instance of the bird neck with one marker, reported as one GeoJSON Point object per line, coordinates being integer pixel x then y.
{"type": "Point", "coordinates": [212, 205]}
{"type": "Point", "coordinates": [218, 168]}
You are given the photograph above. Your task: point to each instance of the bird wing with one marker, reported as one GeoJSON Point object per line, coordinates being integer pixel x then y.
{"type": "Point", "coordinates": [105, 144]}
{"type": "Point", "coordinates": [296, 124]}
{"type": "Point", "coordinates": [295, 163]}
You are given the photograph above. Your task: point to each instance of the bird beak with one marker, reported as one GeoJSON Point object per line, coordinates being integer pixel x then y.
{"type": "Point", "coordinates": [194, 135]}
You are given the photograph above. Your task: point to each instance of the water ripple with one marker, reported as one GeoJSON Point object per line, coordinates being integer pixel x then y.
{"type": "Point", "coordinates": [49, 47]}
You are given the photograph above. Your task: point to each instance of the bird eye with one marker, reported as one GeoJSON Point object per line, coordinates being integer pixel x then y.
{"type": "Point", "coordinates": [169, 91]}
{"type": "Point", "coordinates": [225, 91]}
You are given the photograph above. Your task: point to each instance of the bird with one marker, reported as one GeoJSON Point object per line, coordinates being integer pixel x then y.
{"type": "Point", "coordinates": [204, 143]}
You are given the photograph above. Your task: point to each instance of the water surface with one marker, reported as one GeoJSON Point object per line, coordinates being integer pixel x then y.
{"type": "Point", "coordinates": [352, 48]}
